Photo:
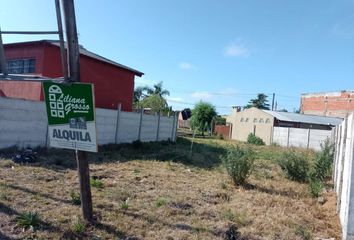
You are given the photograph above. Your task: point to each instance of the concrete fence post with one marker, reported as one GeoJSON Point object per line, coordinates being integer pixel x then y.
{"type": "Point", "coordinates": [342, 159]}
{"type": "Point", "coordinates": [119, 109]}
{"type": "Point", "coordinates": [140, 123]}
{"type": "Point", "coordinates": [173, 127]}
{"type": "Point", "coordinates": [308, 138]}
{"type": "Point", "coordinates": [271, 135]}
{"type": "Point", "coordinates": [47, 137]}
{"type": "Point", "coordinates": [288, 138]}
{"type": "Point", "coordinates": [158, 126]}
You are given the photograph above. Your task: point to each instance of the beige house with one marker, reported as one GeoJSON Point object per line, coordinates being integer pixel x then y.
{"type": "Point", "coordinates": [252, 120]}
{"type": "Point", "coordinates": [261, 122]}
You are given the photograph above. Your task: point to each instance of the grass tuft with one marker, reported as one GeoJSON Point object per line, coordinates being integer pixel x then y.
{"type": "Point", "coordinates": [95, 182]}
{"type": "Point", "coordinates": [28, 220]}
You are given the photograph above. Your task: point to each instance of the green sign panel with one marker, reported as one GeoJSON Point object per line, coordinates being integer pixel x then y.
{"type": "Point", "coordinates": [71, 115]}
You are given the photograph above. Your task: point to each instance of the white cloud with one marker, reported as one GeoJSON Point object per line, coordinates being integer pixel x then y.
{"type": "Point", "coordinates": [186, 66]}
{"type": "Point", "coordinates": [201, 95]}
{"type": "Point", "coordinates": [236, 50]}
{"type": "Point", "coordinates": [174, 99]}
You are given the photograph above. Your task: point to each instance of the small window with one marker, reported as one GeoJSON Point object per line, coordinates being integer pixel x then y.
{"type": "Point", "coordinates": [267, 120]}
{"type": "Point", "coordinates": [255, 120]}
{"type": "Point", "coordinates": [20, 66]}
{"type": "Point", "coordinates": [246, 119]}
{"type": "Point", "coordinates": [242, 120]}
{"type": "Point", "coordinates": [261, 120]}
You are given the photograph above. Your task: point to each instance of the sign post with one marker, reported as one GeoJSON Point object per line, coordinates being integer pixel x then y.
{"type": "Point", "coordinates": [71, 125]}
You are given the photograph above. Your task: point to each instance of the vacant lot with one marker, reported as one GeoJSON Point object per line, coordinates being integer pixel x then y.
{"type": "Point", "coordinates": [161, 191]}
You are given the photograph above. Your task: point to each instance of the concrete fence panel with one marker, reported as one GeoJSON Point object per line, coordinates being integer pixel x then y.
{"type": "Point", "coordinates": [298, 137]}
{"type": "Point", "coordinates": [280, 136]}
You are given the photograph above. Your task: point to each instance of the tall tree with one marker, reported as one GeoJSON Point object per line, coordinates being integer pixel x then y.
{"type": "Point", "coordinates": [155, 102]}
{"type": "Point", "coordinates": [157, 90]}
{"type": "Point", "coordinates": [202, 115]}
{"type": "Point", "coordinates": [260, 102]}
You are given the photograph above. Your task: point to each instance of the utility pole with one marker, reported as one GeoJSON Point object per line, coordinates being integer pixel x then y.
{"type": "Point", "coordinates": [273, 101]}
{"type": "Point", "coordinates": [2, 57]}
{"type": "Point", "coordinates": [74, 76]}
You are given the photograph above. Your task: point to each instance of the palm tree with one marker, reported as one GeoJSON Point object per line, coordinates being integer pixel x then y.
{"type": "Point", "coordinates": [156, 90]}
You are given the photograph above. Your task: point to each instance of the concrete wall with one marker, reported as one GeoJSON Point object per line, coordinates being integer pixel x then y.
{"type": "Point", "coordinates": [344, 175]}
{"type": "Point", "coordinates": [249, 121]}
{"type": "Point", "coordinates": [298, 137]}
{"type": "Point", "coordinates": [24, 123]}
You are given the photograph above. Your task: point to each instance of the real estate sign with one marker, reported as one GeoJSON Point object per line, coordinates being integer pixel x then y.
{"type": "Point", "coordinates": [71, 115]}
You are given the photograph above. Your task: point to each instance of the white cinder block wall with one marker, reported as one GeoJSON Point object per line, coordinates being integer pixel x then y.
{"type": "Point", "coordinates": [24, 123]}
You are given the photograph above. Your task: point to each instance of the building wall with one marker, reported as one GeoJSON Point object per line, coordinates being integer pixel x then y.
{"type": "Point", "coordinates": [223, 130]}
{"type": "Point", "coordinates": [112, 85]}
{"type": "Point", "coordinates": [241, 129]}
{"type": "Point", "coordinates": [333, 104]}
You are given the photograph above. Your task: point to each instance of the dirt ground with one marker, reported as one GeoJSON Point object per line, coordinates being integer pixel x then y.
{"type": "Point", "coordinates": [160, 191]}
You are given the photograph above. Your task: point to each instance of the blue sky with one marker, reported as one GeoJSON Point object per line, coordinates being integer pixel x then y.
{"type": "Point", "coordinates": [223, 52]}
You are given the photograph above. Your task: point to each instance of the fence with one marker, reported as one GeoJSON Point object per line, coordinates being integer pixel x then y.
{"type": "Point", "coordinates": [298, 137]}
{"type": "Point", "coordinates": [343, 175]}
{"type": "Point", "coordinates": [24, 123]}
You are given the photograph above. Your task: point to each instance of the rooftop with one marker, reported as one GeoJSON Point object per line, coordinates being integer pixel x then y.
{"type": "Point", "coordinates": [304, 118]}
{"type": "Point", "coordinates": [84, 52]}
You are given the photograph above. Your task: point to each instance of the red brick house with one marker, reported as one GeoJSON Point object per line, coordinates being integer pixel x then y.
{"type": "Point", "coordinates": [114, 83]}
{"type": "Point", "coordinates": [331, 104]}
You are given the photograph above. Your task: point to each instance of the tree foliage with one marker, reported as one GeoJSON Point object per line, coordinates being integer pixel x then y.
{"type": "Point", "coordinates": [260, 102]}
{"type": "Point", "coordinates": [202, 115]}
{"type": "Point", "coordinates": [155, 102]}
{"type": "Point", "coordinates": [153, 98]}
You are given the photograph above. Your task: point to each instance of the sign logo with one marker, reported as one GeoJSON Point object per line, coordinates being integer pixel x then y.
{"type": "Point", "coordinates": [71, 117]}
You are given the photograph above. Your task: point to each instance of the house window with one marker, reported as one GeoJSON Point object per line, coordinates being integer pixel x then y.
{"type": "Point", "coordinates": [20, 66]}
{"type": "Point", "coordinates": [267, 120]}
{"type": "Point", "coordinates": [261, 120]}
{"type": "Point", "coordinates": [246, 119]}
{"type": "Point", "coordinates": [255, 120]}
{"type": "Point", "coordinates": [242, 120]}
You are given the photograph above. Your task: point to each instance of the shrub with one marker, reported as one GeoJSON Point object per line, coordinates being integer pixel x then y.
{"type": "Point", "coordinates": [239, 163]}
{"type": "Point", "coordinates": [75, 198]}
{"type": "Point", "coordinates": [323, 161]}
{"type": "Point", "coordinates": [253, 139]}
{"type": "Point", "coordinates": [95, 182]}
{"type": "Point", "coordinates": [28, 220]}
{"type": "Point", "coordinates": [295, 165]}
{"type": "Point", "coordinates": [315, 188]}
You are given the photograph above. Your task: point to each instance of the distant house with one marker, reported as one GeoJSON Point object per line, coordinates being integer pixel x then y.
{"type": "Point", "coordinates": [332, 104]}
{"type": "Point", "coordinates": [113, 82]}
{"type": "Point", "coordinates": [261, 122]}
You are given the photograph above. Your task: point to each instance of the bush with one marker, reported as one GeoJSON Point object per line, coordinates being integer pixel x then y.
{"type": "Point", "coordinates": [323, 161]}
{"type": "Point", "coordinates": [315, 188]}
{"type": "Point", "coordinates": [28, 220]}
{"type": "Point", "coordinates": [239, 163]}
{"type": "Point", "coordinates": [253, 139]}
{"type": "Point", "coordinates": [295, 165]}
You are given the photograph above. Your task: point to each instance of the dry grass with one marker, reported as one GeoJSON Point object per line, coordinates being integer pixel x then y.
{"type": "Point", "coordinates": [166, 193]}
